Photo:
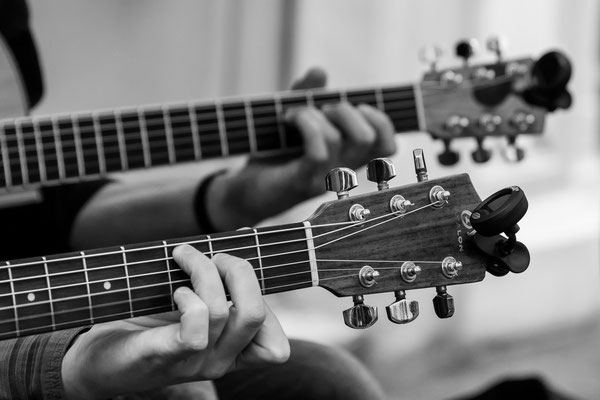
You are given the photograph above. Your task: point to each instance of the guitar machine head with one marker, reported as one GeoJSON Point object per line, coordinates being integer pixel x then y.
{"type": "Point", "coordinates": [434, 233]}
{"type": "Point", "coordinates": [506, 98]}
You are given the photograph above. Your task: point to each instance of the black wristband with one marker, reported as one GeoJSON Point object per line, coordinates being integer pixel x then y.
{"type": "Point", "coordinates": [202, 218]}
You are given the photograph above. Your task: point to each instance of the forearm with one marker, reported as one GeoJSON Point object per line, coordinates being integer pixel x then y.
{"type": "Point", "coordinates": [31, 366]}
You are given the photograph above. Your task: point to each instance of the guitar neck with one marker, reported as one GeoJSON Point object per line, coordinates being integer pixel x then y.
{"type": "Point", "coordinates": [82, 288]}
{"type": "Point", "coordinates": [70, 148]}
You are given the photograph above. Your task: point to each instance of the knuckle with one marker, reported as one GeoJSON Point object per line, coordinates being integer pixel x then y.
{"type": "Point", "coordinates": [219, 313]}
{"type": "Point", "coordinates": [253, 317]}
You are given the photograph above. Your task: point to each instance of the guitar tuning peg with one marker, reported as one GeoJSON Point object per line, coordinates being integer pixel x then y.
{"type": "Point", "coordinates": [430, 55]}
{"type": "Point", "coordinates": [448, 156]}
{"type": "Point", "coordinates": [381, 170]}
{"type": "Point", "coordinates": [443, 303]}
{"type": "Point", "coordinates": [481, 154]}
{"type": "Point", "coordinates": [402, 311]}
{"type": "Point", "coordinates": [420, 166]}
{"type": "Point", "coordinates": [512, 152]}
{"type": "Point", "coordinates": [497, 45]}
{"type": "Point", "coordinates": [465, 49]}
{"type": "Point", "coordinates": [360, 316]}
{"type": "Point", "coordinates": [341, 180]}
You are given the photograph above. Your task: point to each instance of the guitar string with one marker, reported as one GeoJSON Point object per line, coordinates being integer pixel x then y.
{"type": "Point", "coordinates": [67, 143]}
{"type": "Point", "coordinates": [116, 266]}
{"type": "Point", "coordinates": [203, 239]}
{"type": "Point", "coordinates": [170, 270]}
{"type": "Point", "coordinates": [110, 316]}
{"type": "Point", "coordinates": [238, 112]}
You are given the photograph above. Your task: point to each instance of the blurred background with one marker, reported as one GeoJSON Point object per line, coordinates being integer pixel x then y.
{"type": "Point", "coordinates": [106, 54]}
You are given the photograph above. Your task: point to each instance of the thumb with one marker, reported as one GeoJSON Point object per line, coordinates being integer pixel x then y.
{"type": "Point", "coordinates": [314, 78]}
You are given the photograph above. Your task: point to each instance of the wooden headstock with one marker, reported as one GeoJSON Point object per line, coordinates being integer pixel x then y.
{"type": "Point", "coordinates": [506, 98]}
{"type": "Point", "coordinates": [410, 237]}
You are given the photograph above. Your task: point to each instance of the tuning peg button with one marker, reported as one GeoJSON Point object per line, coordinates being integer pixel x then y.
{"type": "Point", "coordinates": [497, 45]}
{"type": "Point", "coordinates": [341, 181]}
{"type": "Point", "coordinates": [465, 49]}
{"type": "Point", "coordinates": [448, 156]}
{"type": "Point", "coordinates": [481, 154]}
{"type": "Point", "coordinates": [512, 152]}
{"type": "Point", "coordinates": [381, 170]}
{"type": "Point", "coordinates": [402, 311]}
{"type": "Point", "coordinates": [443, 303]}
{"type": "Point", "coordinates": [360, 316]}
{"type": "Point", "coordinates": [430, 55]}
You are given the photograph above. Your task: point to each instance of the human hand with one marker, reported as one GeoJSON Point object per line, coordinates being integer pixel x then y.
{"type": "Point", "coordinates": [204, 340]}
{"type": "Point", "coordinates": [336, 135]}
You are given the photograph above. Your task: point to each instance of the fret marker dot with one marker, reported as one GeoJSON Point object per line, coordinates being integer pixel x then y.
{"type": "Point", "coordinates": [107, 285]}
{"type": "Point", "coordinates": [31, 297]}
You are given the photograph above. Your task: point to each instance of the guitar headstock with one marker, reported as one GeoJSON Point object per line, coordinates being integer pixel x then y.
{"type": "Point", "coordinates": [409, 237]}
{"type": "Point", "coordinates": [505, 98]}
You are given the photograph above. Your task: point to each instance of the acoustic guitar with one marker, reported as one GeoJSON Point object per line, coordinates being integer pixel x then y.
{"type": "Point", "coordinates": [433, 233]}
{"type": "Point", "coordinates": [506, 98]}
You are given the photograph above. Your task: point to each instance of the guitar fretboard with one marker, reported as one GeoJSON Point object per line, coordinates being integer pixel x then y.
{"type": "Point", "coordinates": [71, 148]}
{"type": "Point", "coordinates": [82, 288]}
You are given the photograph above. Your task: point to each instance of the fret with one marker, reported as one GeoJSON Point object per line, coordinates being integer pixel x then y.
{"type": "Point", "coordinates": [87, 284]}
{"type": "Point", "coordinates": [8, 311]}
{"type": "Point", "coordinates": [309, 98]}
{"type": "Point", "coordinates": [108, 284]}
{"type": "Point", "coordinates": [177, 276]}
{"type": "Point", "coordinates": [240, 244]}
{"type": "Point", "coordinates": [343, 95]}
{"type": "Point", "coordinates": [144, 135]}
{"type": "Point", "coordinates": [379, 99]}
{"type": "Point", "coordinates": [68, 283]}
{"type": "Point", "coordinates": [121, 140]}
{"type": "Point", "coordinates": [133, 140]}
{"type": "Point", "coordinates": [78, 146]}
{"type": "Point", "coordinates": [267, 125]}
{"type": "Point", "coordinates": [111, 149]}
{"type": "Point", "coordinates": [261, 279]}
{"type": "Point", "coordinates": [285, 258]}
{"type": "Point", "coordinates": [84, 126]}
{"type": "Point", "coordinates": [15, 175]}
{"type": "Point", "coordinates": [156, 136]}
{"type": "Point", "coordinates": [149, 282]}
{"type": "Point", "coordinates": [22, 156]}
{"type": "Point", "coordinates": [194, 130]}
{"type": "Point", "coordinates": [222, 132]}
{"type": "Point", "coordinates": [128, 281]}
{"type": "Point", "coordinates": [250, 125]}
{"type": "Point", "coordinates": [236, 128]}
{"type": "Point", "coordinates": [31, 152]}
{"type": "Point", "coordinates": [420, 107]}
{"type": "Point", "coordinates": [169, 131]}
{"type": "Point", "coordinates": [66, 134]}
{"type": "Point", "coordinates": [49, 294]}
{"type": "Point", "coordinates": [14, 300]}
{"type": "Point", "coordinates": [209, 127]}
{"type": "Point", "coordinates": [99, 143]}
{"type": "Point", "coordinates": [31, 296]}
{"type": "Point", "coordinates": [168, 270]}
{"type": "Point", "coordinates": [39, 151]}
{"type": "Point", "coordinates": [280, 121]}
{"type": "Point", "coordinates": [59, 149]}
{"type": "Point", "coordinates": [5, 178]}
{"type": "Point", "coordinates": [184, 134]}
